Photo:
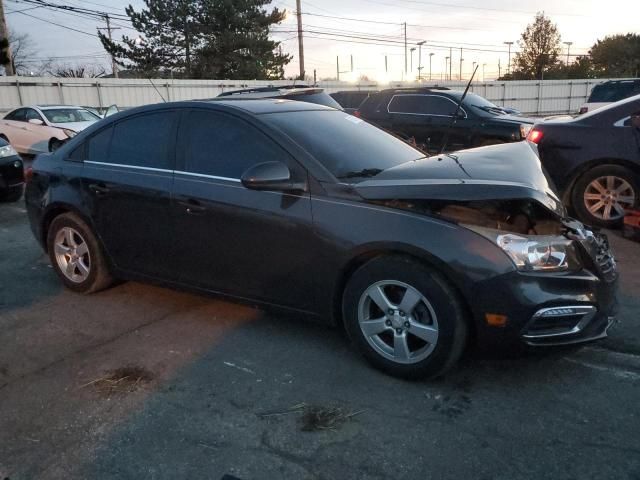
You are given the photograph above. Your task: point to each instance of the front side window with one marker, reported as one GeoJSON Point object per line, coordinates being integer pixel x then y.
{"type": "Point", "coordinates": [142, 141]}
{"type": "Point", "coordinates": [221, 145]}
{"type": "Point", "coordinates": [31, 114]}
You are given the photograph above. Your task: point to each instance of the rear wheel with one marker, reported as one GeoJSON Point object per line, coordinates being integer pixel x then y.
{"type": "Point", "coordinates": [404, 318]}
{"type": "Point", "coordinates": [76, 255]}
{"type": "Point", "coordinates": [601, 195]}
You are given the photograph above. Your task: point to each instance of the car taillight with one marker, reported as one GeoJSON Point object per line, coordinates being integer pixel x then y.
{"type": "Point", "coordinates": [583, 110]}
{"type": "Point", "coordinates": [356, 113]}
{"type": "Point", "coordinates": [28, 174]}
{"type": "Point", "coordinates": [535, 136]}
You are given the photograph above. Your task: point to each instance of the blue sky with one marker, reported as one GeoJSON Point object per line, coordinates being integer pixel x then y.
{"type": "Point", "coordinates": [480, 28]}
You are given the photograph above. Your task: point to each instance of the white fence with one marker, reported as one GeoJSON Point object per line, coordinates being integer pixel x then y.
{"type": "Point", "coordinates": [531, 97]}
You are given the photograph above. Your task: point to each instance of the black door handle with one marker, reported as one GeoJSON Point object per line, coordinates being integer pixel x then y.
{"type": "Point", "coordinates": [193, 207]}
{"type": "Point", "coordinates": [98, 189]}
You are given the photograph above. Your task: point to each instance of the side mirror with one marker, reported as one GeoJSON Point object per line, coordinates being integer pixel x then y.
{"type": "Point", "coordinates": [270, 176]}
{"type": "Point", "coordinates": [635, 121]}
{"type": "Point", "coordinates": [36, 121]}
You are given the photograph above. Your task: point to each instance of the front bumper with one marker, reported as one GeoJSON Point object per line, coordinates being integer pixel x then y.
{"type": "Point", "coordinates": [551, 309]}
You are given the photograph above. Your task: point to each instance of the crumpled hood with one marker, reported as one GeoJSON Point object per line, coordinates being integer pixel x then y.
{"type": "Point", "coordinates": [75, 126]}
{"type": "Point", "coordinates": [498, 172]}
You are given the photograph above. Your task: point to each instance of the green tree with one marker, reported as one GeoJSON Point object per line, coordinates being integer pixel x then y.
{"type": "Point", "coordinates": [540, 47]}
{"type": "Point", "coordinates": [202, 39]}
{"type": "Point", "coordinates": [617, 56]}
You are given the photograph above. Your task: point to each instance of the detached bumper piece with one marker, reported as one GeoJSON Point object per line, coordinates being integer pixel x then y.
{"type": "Point", "coordinates": [566, 325]}
{"type": "Point", "coordinates": [632, 225]}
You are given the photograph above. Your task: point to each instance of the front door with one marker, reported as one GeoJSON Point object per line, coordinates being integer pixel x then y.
{"type": "Point", "coordinates": [127, 177]}
{"type": "Point", "coordinates": [247, 243]}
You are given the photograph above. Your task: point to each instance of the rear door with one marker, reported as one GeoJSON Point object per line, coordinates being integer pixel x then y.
{"type": "Point", "coordinates": [13, 127]}
{"type": "Point", "coordinates": [230, 239]}
{"type": "Point", "coordinates": [127, 177]}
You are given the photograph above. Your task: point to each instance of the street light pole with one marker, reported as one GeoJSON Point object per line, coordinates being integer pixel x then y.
{"type": "Point", "coordinates": [568, 44]}
{"type": "Point", "coordinates": [412, 49]}
{"type": "Point", "coordinates": [447, 59]}
{"type": "Point", "coordinates": [420, 59]}
{"type": "Point", "coordinates": [509, 61]}
{"type": "Point", "coordinates": [430, 55]}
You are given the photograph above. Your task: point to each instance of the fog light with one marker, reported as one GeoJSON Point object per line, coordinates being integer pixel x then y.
{"type": "Point", "coordinates": [496, 320]}
{"type": "Point", "coordinates": [561, 312]}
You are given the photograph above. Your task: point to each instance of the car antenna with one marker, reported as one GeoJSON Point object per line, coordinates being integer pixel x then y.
{"type": "Point", "coordinates": [455, 114]}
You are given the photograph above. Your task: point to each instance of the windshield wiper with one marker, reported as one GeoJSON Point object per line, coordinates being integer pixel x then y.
{"type": "Point", "coordinates": [365, 172]}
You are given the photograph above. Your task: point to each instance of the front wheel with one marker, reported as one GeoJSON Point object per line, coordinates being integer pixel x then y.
{"type": "Point", "coordinates": [76, 255]}
{"type": "Point", "coordinates": [601, 195]}
{"type": "Point", "coordinates": [404, 317]}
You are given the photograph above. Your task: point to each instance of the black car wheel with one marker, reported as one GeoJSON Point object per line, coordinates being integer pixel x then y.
{"type": "Point", "coordinates": [404, 317]}
{"type": "Point", "coordinates": [601, 195]}
{"type": "Point", "coordinates": [12, 194]}
{"type": "Point", "coordinates": [76, 255]}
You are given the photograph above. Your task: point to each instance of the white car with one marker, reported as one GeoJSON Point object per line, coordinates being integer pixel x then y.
{"type": "Point", "coordinates": [43, 128]}
{"type": "Point", "coordinates": [609, 92]}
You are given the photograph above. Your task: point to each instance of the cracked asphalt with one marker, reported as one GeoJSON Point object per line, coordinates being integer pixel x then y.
{"type": "Point", "coordinates": [230, 382]}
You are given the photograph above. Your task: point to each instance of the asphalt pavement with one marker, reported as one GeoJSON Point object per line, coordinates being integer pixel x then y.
{"type": "Point", "coordinates": [228, 389]}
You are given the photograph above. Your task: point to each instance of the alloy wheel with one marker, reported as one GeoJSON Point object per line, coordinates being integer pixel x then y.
{"type": "Point", "coordinates": [607, 197]}
{"type": "Point", "coordinates": [398, 322]}
{"type": "Point", "coordinates": [72, 255]}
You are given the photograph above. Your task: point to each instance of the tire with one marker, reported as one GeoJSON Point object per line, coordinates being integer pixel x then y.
{"type": "Point", "coordinates": [438, 315]}
{"type": "Point", "coordinates": [11, 195]}
{"type": "Point", "coordinates": [55, 144]}
{"type": "Point", "coordinates": [91, 271]}
{"type": "Point", "coordinates": [597, 182]}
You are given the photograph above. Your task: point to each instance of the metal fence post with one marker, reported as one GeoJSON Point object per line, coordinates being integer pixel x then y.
{"type": "Point", "coordinates": [539, 98]}
{"type": "Point", "coordinates": [99, 94]}
{"type": "Point", "coordinates": [166, 85]}
{"type": "Point", "coordinates": [60, 94]}
{"type": "Point", "coordinates": [570, 95]}
{"type": "Point", "coordinates": [504, 92]}
{"type": "Point", "coordinates": [19, 92]}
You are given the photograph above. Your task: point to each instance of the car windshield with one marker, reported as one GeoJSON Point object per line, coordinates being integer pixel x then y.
{"type": "Point", "coordinates": [346, 145]}
{"type": "Point", "coordinates": [69, 115]}
{"type": "Point", "coordinates": [483, 104]}
{"type": "Point", "coordinates": [613, 92]}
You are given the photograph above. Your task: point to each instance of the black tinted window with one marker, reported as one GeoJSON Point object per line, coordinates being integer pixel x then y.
{"type": "Point", "coordinates": [409, 104]}
{"type": "Point", "coordinates": [224, 146]}
{"type": "Point", "coordinates": [441, 106]}
{"type": "Point", "coordinates": [342, 142]}
{"type": "Point", "coordinates": [18, 115]}
{"type": "Point", "coordinates": [614, 92]}
{"type": "Point", "coordinates": [31, 114]}
{"type": "Point", "coordinates": [143, 141]}
{"type": "Point", "coordinates": [97, 149]}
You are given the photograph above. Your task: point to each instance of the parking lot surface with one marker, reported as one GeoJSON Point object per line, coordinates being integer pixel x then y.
{"type": "Point", "coordinates": [228, 389]}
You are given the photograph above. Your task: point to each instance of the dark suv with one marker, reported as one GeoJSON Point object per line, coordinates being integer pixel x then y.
{"type": "Point", "coordinates": [425, 114]}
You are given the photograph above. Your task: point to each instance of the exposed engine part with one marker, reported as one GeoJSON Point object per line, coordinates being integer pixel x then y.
{"type": "Point", "coordinates": [516, 216]}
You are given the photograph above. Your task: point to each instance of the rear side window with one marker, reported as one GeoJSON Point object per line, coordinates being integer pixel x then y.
{"type": "Point", "coordinates": [224, 146]}
{"type": "Point", "coordinates": [613, 92]}
{"type": "Point", "coordinates": [98, 146]}
{"type": "Point", "coordinates": [17, 115]}
{"type": "Point", "coordinates": [143, 141]}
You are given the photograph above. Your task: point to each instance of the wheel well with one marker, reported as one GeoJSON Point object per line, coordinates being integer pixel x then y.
{"type": "Point", "coordinates": [566, 195]}
{"type": "Point", "coordinates": [48, 218]}
{"type": "Point", "coordinates": [358, 261]}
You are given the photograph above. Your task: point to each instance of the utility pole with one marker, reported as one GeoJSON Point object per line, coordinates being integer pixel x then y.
{"type": "Point", "coordinates": [351, 63]}
{"type": "Point", "coordinates": [337, 68]}
{"type": "Point", "coordinates": [461, 60]}
{"type": "Point", "coordinates": [430, 55]}
{"type": "Point", "coordinates": [483, 65]}
{"type": "Point", "coordinates": [450, 63]}
{"type": "Point", "coordinates": [300, 45]}
{"type": "Point", "coordinates": [568, 44]}
{"type": "Point", "coordinates": [499, 69]}
{"type": "Point", "coordinates": [386, 65]}
{"type": "Point", "coordinates": [412, 49]}
{"type": "Point", "coordinates": [4, 38]}
{"type": "Point", "coordinates": [446, 59]}
{"type": "Point", "coordinates": [405, 47]}
{"type": "Point", "coordinates": [114, 67]}
{"type": "Point", "coordinates": [509, 61]}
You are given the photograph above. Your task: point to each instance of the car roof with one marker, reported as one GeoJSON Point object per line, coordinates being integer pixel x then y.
{"type": "Point", "coordinates": [264, 105]}
{"type": "Point", "coordinates": [611, 109]}
{"type": "Point", "coordinates": [56, 107]}
{"type": "Point", "coordinates": [266, 92]}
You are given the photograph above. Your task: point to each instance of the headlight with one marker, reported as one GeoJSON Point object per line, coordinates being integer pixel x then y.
{"type": "Point", "coordinates": [532, 253]}
{"type": "Point", "coordinates": [69, 133]}
{"type": "Point", "coordinates": [524, 130]}
{"type": "Point", "coordinates": [7, 151]}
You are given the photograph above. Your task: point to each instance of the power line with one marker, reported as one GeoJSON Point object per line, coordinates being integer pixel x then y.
{"type": "Point", "coordinates": [58, 24]}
